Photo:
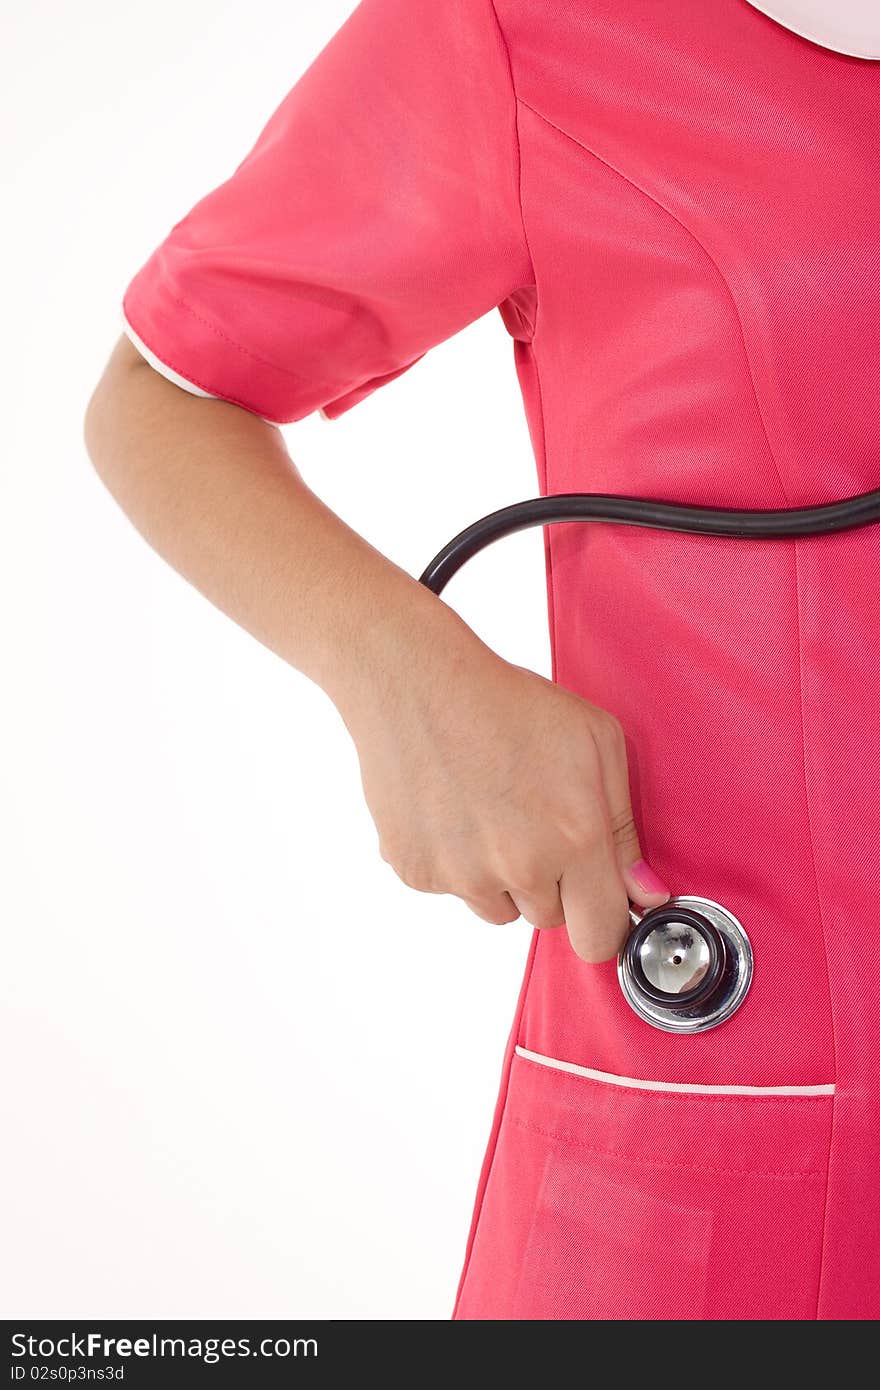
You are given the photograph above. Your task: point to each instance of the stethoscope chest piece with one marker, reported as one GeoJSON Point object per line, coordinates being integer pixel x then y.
{"type": "Point", "coordinates": [686, 965]}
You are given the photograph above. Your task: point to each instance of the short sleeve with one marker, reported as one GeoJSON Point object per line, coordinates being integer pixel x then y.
{"type": "Point", "coordinates": [376, 215]}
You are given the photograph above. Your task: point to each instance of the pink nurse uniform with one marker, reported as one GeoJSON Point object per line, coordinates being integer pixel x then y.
{"type": "Point", "coordinates": [675, 209]}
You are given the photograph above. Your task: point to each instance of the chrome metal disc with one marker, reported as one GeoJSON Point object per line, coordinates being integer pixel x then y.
{"type": "Point", "coordinates": [687, 974]}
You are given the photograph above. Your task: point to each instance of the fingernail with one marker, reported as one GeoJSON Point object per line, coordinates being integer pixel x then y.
{"type": "Point", "coordinates": [647, 879]}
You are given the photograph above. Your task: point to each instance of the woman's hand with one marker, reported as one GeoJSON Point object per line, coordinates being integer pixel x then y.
{"type": "Point", "coordinates": [491, 783]}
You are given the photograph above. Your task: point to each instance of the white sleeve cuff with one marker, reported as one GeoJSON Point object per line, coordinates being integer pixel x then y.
{"type": "Point", "coordinates": [170, 374]}
{"type": "Point", "coordinates": [160, 366]}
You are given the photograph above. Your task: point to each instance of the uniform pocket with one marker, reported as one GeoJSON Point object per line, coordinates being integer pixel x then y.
{"type": "Point", "coordinates": [614, 1198]}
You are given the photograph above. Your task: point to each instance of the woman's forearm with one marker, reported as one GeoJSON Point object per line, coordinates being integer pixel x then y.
{"type": "Point", "coordinates": [213, 490]}
{"type": "Point", "coordinates": [484, 780]}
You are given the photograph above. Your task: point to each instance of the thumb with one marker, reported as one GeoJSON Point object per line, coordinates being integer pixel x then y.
{"type": "Point", "coordinates": [644, 885]}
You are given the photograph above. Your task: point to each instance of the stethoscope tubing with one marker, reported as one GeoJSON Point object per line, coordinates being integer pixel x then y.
{"type": "Point", "coordinates": [781, 523]}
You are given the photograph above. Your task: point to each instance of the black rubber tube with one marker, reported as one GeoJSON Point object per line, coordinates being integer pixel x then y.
{"type": "Point", "coordinates": [779, 524]}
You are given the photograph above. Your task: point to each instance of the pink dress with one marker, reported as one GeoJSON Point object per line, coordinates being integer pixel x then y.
{"type": "Point", "coordinates": [675, 209]}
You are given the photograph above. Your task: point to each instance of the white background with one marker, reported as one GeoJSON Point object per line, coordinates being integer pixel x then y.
{"type": "Point", "coordinates": [246, 1072]}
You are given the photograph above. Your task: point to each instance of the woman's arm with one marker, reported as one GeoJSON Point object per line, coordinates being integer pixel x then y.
{"type": "Point", "coordinates": [484, 779]}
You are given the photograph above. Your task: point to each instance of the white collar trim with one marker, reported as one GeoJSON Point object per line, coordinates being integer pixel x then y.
{"type": "Point", "coordinates": [845, 26]}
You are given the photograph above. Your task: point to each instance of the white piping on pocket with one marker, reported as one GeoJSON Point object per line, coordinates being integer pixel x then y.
{"type": "Point", "coordinates": [685, 1087]}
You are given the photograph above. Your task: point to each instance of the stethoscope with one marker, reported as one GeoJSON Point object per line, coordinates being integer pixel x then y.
{"type": "Point", "coordinates": [686, 965]}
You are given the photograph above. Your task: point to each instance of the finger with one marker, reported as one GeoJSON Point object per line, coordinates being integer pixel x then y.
{"type": "Point", "coordinates": [498, 908]}
{"type": "Point", "coordinates": [643, 884]}
{"type": "Point", "coordinates": [542, 909]}
{"type": "Point", "coordinates": [595, 902]}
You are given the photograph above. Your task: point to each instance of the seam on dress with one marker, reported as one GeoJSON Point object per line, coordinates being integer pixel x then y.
{"type": "Point", "coordinates": [544, 462]}
{"type": "Point", "coordinates": [706, 252]}
{"type": "Point", "coordinates": [655, 1162]}
{"type": "Point", "coordinates": [544, 466]}
{"type": "Point", "coordinates": [497, 1123]}
{"type": "Point", "coordinates": [177, 377]}
{"type": "Point", "coordinates": [518, 144]}
{"type": "Point", "coordinates": [504, 1088]}
{"type": "Point", "coordinates": [824, 933]}
{"type": "Point", "coordinates": [240, 347]}
{"type": "Point", "coordinates": [212, 391]}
